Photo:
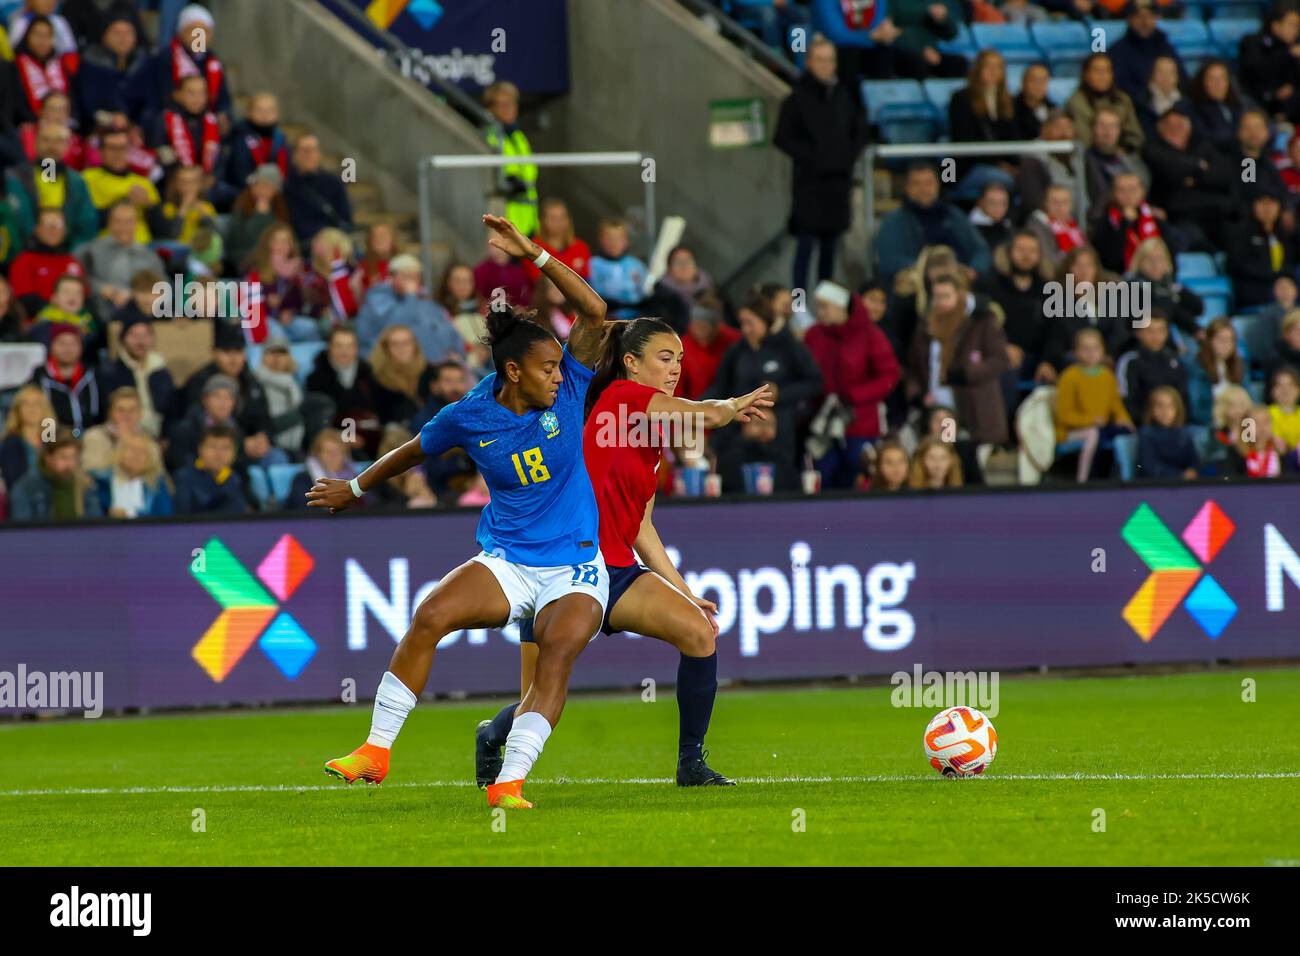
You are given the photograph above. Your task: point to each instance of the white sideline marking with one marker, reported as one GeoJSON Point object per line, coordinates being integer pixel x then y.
{"type": "Point", "coordinates": [642, 781]}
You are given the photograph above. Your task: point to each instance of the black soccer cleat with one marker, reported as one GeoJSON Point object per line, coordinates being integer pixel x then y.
{"type": "Point", "coordinates": [694, 772]}
{"type": "Point", "coordinates": [487, 759]}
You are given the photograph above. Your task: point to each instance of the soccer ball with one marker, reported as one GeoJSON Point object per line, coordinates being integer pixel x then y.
{"type": "Point", "coordinates": [960, 742]}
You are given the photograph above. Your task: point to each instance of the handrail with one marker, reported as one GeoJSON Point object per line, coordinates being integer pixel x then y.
{"type": "Point", "coordinates": [752, 45]}
{"type": "Point", "coordinates": [461, 101]}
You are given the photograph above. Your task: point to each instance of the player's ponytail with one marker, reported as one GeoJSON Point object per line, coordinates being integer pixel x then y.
{"type": "Point", "coordinates": [510, 334]}
{"type": "Point", "coordinates": [621, 338]}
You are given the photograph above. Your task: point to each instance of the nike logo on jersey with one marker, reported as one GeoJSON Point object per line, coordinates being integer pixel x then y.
{"type": "Point", "coordinates": [484, 444]}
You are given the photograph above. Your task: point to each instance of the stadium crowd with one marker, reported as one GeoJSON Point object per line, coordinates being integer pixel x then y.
{"type": "Point", "coordinates": [214, 331]}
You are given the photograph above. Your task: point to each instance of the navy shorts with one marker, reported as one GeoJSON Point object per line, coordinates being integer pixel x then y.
{"type": "Point", "coordinates": [620, 579]}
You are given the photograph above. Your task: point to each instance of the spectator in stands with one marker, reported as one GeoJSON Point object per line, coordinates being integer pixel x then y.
{"type": "Point", "coordinates": [342, 376]}
{"type": "Point", "coordinates": [1165, 449]}
{"type": "Point", "coordinates": [1080, 274]}
{"type": "Point", "coordinates": [114, 181]}
{"type": "Point", "coordinates": [1218, 364]}
{"type": "Point", "coordinates": [1039, 173]}
{"type": "Point", "coordinates": [1126, 221]}
{"type": "Point", "coordinates": [218, 404]}
{"type": "Point", "coordinates": [772, 20]}
{"type": "Point", "coordinates": [1032, 104]}
{"type": "Point", "coordinates": [21, 20]}
{"type": "Point", "coordinates": [1088, 404]}
{"type": "Point", "coordinates": [230, 358]}
{"type": "Point", "coordinates": [448, 383]}
{"type": "Point", "coordinates": [680, 286]}
{"type": "Point", "coordinates": [113, 258]}
{"type": "Point", "coordinates": [142, 368]}
{"type": "Point", "coordinates": [316, 198]}
{"type": "Point", "coordinates": [380, 247]}
{"type": "Point", "coordinates": [256, 141]}
{"type": "Point", "coordinates": [1287, 349]}
{"type": "Point", "coordinates": [1152, 364]}
{"type": "Point", "coordinates": [46, 258]}
{"type": "Point", "coordinates": [1162, 91]}
{"type": "Point", "coordinates": [516, 182]}
{"type": "Point", "coordinates": [186, 133]}
{"type": "Point", "coordinates": [1054, 224]}
{"type": "Point", "coordinates": [1105, 160]}
{"type": "Point", "coordinates": [935, 466]}
{"type": "Point", "coordinates": [1135, 53]}
{"type": "Point", "coordinates": [1254, 152]}
{"type": "Point", "coordinates": [618, 276]}
{"type": "Point", "coordinates": [923, 219]}
{"type": "Point", "coordinates": [911, 295]}
{"type": "Point", "coordinates": [555, 234]}
{"type": "Point", "coordinates": [890, 469]}
{"type": "Point", "coordinates": [1152, 264]}
{"type": "Point", "coordinates": [408, 490]}
{"type": "Point", "coordinates": [42, 186]}
{"type": "Point", "coordinates": [779, 359]}
{"type": "Point", "coordinates": [925, 24]}
{"type": "Point", "coordinates": [706, 340]}
{"type": "Point", "coordinates": [1191, 181]}
{"type": "Point", "coordinates": [858, 368]}
{"type": "Point", "coordinates": [1253, 452]}
{"type": "Point", "coordinates": [109, 67]}
{"type": "Point", "coordinates": [135, 485]}
{"type": "Point", "coordinates": [330, 457]}
{"type": "Point", "coordinates": [866, 41]}
{"type": "Point", "coordinates": [403, 373]}
{"type": "Point", "coordinates": [13, 317]}
{"type": "Point", "coordinates": [211, 485]}
{"type": "Point", "coordinates": [56, 110]}
{"type": "Point", "coordinates": [277, 275]}
{"type": "Point", "coordinates": [185, 213]}
{"type": "Point", "coordinates": [72, 388]}
{"type": "Point", "coordinates": [823, 129]}
{"type": "Point", "coordinates": [258, 207]}
{"type": "Point", "coordinates": [1216, 107]}
{"type": "Point", "coordinates": [1260, 249]}
{"type": "Point", "coordinates": [499, 271]}
{"type": "Point", "coordinates": [29, 421]}
{"type": "Point", "coordinates": [56, 489]}
{"type": "Point", "coordinates": [278, 375]}
{"type": "Point", "coordinates": [458, 295]}
{"type": "Point", "coordinates": [1284, 411]}
{"type": "Point", "coordinates": [552, 309]}
{"type": "Point", "coordinates": [188, 53]}
{"type": "Point", "coordinates": [957, 359]}
{"type": "Point", "coordinates": [331, 287]}
{"type": "Point", "coordinates": [1016, 286]}
{"type": "Point", "coordinates": [991, 214]}
{"type": "Point", "coordinates": [1098, 90]}
{"type": "Point", "coordinates": [68, 307]}
{"type": "Point", "coordinates": [1021, 11]}
{"type": "Point", "coordinates": [1270, 71]}
{"type": "Point", "coordinates": [42, 68]}
{"type": "Point", "coordinates": [402, 301]}
{"type": "Point", "coordinates": [982, 112]}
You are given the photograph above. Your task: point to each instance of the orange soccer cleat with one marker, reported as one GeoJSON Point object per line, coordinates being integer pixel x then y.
{"type": "Point", "coordinates": [367, 762]}
{"type": "Point", "coordinates": [508, 794]}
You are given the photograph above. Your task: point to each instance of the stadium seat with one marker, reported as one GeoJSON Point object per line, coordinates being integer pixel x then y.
{"type": "Point", "coordinates": [253, 356]}
{"type": "Point", "coordinates": [1012, 40]}
{"type": "Point", "coordinates": [963, 43]}
{"type": "Point", "coordinates": [1256, 337]}
{"type": "Point", "coordinates": [1061, 88]}
{"type": "Point", "coordinates": [1064, 42]}
{"type": "Point", "coordinates": [261, 483]}
{"type": "Point", "coordinates": [1192, 41]}
{"type": "Point", "coordinates": [1258, 389]}
{"type": "Point", "coordinates": [939, 92]}
{"type": "Point", "coordinates": [1195, 265]}
{"type": "Point", "coordinates": [271, 483]}
{"type": "Point", "coordinates": [1235, 9]}
{"type": "Point", "coordinates": [1112, 30]}
{"type": "Point", "coordinates": [1015, 76]}
{"type": "Point", "coordinates": [900, 109]}
{"type": "Point", "coordinates": [1216, 291]}
{"type": "Point", "coordinates": [304, 354]}
{"type": "Point", "coordinates": [1226, 34]}
{"type": "Point", "coordinates": [1125, 450]}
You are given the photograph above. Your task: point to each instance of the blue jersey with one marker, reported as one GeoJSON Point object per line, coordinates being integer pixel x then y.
{"type": "Point", "coordinates": [543, 510]}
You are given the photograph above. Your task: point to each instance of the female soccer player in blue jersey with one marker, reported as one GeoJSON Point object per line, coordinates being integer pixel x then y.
{"type": "Point", "coordinates": [522, 426]}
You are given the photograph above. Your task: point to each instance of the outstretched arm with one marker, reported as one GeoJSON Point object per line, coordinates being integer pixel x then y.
{"type": "Point", "coordinates": [336, 494]}
{"type": "Point", "coordinates": [715, 412]}
{"type": "Point", "coordinates": [589, 326]}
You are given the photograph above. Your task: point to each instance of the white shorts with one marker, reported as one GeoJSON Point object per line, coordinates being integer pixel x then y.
{"type": "Point", "coordinates": [530, 589]}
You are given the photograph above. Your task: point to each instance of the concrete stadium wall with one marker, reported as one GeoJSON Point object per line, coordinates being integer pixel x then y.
{"type": "Point", "coordinates": [643, 74]}
{"type": "Point", "coordinates": [328, 77]}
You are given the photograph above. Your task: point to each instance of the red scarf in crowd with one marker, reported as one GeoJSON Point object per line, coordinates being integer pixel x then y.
{"type": "Point", "coordinates": [71, 380]}
{"type": "Point", "coordinates": [1263, 464]}
{"type": "Point", "coordinates": [1068, 234]}
{"type": "Point", "coordinates": [268, 149]}
{"type": "Point", "coordinates": [183, 65]}
{"type": "Point", "coordinates": [342, 297]}
{"type": "Point", "coordinates": [178, 134]}
{"type": "Point", "coordinates": [858, 14]}
{"type": "Point", "coordinates": [1134, 235]}
{"type": "Point", "coordinates": [74, 158]}
{"type": "Point", "coordinates": [42, 79]}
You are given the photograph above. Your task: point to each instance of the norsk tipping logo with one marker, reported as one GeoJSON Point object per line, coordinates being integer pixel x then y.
{"type": "Point", "coordinates": [249, 612]}
{"type": "Point", "coordinates": [1175, 571]}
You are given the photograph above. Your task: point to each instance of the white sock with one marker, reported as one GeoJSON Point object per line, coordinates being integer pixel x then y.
{"type": "Point", "coordinates": [393, 701]}
{"type": "Point", "coordinates": [524, 745]}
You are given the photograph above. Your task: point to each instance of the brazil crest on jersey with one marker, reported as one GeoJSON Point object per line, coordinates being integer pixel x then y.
{"type": "Point", "coordinates": [543, 511]}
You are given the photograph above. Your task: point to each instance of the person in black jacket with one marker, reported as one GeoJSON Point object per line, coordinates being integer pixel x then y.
{"type": "Point", "coordinates": [1270, 72]}
{"type": "Point", "coordinates": [823, 129]}
{"type": "Point", "coordinates": [1149, 366]}
{"type": "Point", "coordinates": [1136, 51]}
{"type": "Point", "coordinates": [1015, 285]}
{"type": "Point", "coordinates": [347, 381]}
{"type": "Point", "coordinates": [1216, 106]}
{"type": "Point", "coordinates": [1191, 182]}
{"type": "Point", "coordinates": [254, 417]}
{"type": "Point", "coordinates": [1125, 222]}
{"type": "Point", "coordinates": [982, 112]}
{"type": "Point", "coordinates": [1153, 266]}
{"type": "Point", "coordinates": [1032, 105]}
{"type": "Point", "coordinates": [1254, 143]}
{"type": "Point", "coordinates": [139, 364]}
{"type": "Point", "coordinates": [1260, 249]}
{"type": "Point", "coordinates": [109, 67]}
{"type": "Point", "coordinates": [212, 485]}
{"type": "Point", "coordinates": [316, 196]}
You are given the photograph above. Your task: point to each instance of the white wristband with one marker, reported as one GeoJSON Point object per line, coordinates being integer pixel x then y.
{"type": "Point", "coordinates": [543, 258]}
{"type": "Point", "coordinates": [356, 487]}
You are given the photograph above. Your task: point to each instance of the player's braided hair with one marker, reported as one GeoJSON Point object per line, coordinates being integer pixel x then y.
{"type": "Point", "coordinates": [511, 333]}
{"type": "Point", "coordinates": [621, 338]}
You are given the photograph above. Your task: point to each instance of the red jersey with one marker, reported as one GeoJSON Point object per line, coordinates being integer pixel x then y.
{"type": "Point", "coordinates": [622, 452]}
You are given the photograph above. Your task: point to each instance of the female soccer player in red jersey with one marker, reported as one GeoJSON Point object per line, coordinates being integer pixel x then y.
{"type": "Point", "coordinates": [631, 414]}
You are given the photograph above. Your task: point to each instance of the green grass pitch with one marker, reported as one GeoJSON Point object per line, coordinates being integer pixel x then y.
{"type": "Point", "coordinates": [1199, 777]}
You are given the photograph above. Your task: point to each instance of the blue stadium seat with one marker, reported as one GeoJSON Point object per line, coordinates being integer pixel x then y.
{"type": "Point", "coordinates": [1226, 34]}
{"type": "Point", "coordinates": [1235, 9]}
{"type": "Point", "coordinates": [253, 355]}
{"type": "Point", "coordinates": [260, 482]}
{"type": "Point", "coordinates": [900, 109]}
{"type": "Point", "coordinates": [282, 477]}
{"type": "Point", "coordinates": [304, 354]}
{"type": "Point", "coordinates": [1065, 43]}
{"type": "Point", "coordinates": [271, 483]}
{"type": "Point", "coordinates": [1258, 389]}
{"type": "Point", "coordinates": [1012, 40]}
{"type": "Point", "coordinates": [1015, 76]}
{"type": "Point", "coordinates": [1061, 88]}
{"type": "Point", "coordinates": [1192, 41]}
{"type": "Point", "coordinates": [1112, 30]}
{"type": "Point", "coordinates": [1195, 265]}
{"type": "Point", "coordinates": [962, 43]}
{"type": "Point", "coordinates": [1216, 291]}
{"type": "Point", "coordinates": [939, 92]}
{"type": "Point", "coordinates": [1256, 336]}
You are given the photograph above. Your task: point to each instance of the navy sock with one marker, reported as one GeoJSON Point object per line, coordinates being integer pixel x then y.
{"type": "Point", "coordinates": [697, 686]}
{"type": "Point", "coordinates": [501, 725]}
